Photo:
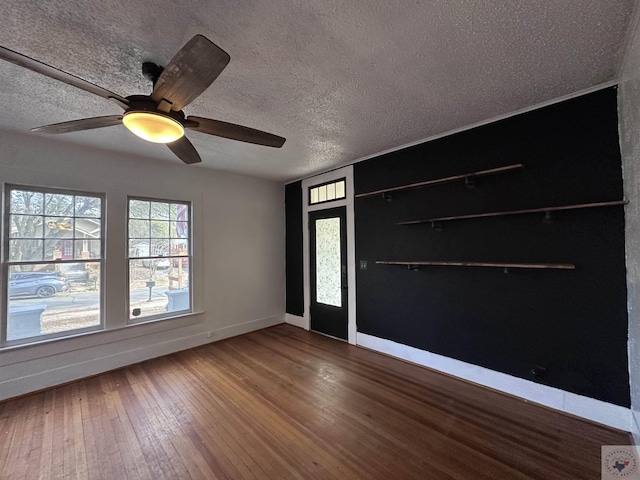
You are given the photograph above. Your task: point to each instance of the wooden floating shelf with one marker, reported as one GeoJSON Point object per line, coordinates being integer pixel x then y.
{"type": "Point", "coordinates": [438, 181]}
{"type": "Point", "coordinates": [516, 212]}
{"type": "Point", "coordinates": [539, 266]}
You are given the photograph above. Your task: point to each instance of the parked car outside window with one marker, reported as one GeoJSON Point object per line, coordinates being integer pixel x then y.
{"type": "Point", "coordinates": [42, 284]}
{"type": "Point", "coordinates": [74, 272]}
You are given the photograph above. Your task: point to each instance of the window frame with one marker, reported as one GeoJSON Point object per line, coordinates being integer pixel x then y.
{"type": "Point", "coordinates": [167, 315]}
{"type": "Point", "coordinates": [6, 264]}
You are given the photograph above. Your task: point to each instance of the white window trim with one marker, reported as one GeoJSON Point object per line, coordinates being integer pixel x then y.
{"type": "Point", "coordinates": [115, 313]}
{"type": "Point", "coordinates": [130, 321]}
{"type": "Point", "coordinates": [4, 271]}
{"type": "Point", "coordinates": [347, 174]}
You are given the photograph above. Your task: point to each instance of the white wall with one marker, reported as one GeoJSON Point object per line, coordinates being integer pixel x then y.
{"type": "Point", "coordinates": [238, 262]}
{"type": "Point", "coordinates": [629, 115]}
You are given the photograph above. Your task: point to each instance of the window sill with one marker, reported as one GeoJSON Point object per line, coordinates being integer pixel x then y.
{"type": "Point", "coordinates": [56, 346]}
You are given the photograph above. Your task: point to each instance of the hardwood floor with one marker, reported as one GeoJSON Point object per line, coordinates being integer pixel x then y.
{"type": "Point", "coordinates": [285, 403]}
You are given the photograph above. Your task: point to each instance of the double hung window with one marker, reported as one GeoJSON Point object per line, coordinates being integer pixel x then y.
{"type": "Point", "coordinates": [53, 259]}
{"type": "Point", "coordinates": [159, 258]}
{"type": "Point", "coordinates": [52, 263]}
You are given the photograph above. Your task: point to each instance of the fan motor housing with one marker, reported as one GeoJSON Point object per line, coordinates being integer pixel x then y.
{"type": "Point", "coordinates": [144, 103]}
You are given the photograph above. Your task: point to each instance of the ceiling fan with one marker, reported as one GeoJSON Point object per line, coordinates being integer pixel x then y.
{"type": "Point", "coordinates": [159, 117]}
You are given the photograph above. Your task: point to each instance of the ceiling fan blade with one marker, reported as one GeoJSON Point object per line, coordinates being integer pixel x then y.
{"type": "Point", "coordinates": [78, 125]}
{"type": "Point", "coordinates": [233, 131]}
{"type": "Point", "coordinates": [52, 72]}
{"type": "Point", "coordinates": [184, 150]}
{"type": "Point", "coordinates": [190, 72]}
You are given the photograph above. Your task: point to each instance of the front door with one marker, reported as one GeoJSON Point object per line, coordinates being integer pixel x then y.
{"type": "Point", "coordinates": [328, 256]}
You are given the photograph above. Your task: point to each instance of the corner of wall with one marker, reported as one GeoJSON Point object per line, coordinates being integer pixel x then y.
{"type": "Point", "coordinates": [296, 321]}
{"type": "Point", "coordinates": [629, 130]}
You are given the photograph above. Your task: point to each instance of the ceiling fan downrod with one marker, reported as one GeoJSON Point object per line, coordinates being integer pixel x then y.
{"type": "Point", "coordinates": [151, 71]}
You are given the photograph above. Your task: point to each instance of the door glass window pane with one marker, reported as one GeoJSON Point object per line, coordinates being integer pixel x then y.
{"type": "Point", "coordinates": [328, 288]}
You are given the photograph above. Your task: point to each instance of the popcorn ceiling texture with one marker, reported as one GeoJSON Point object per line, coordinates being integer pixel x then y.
{"type": "Point", "coordinates": [340, 80]}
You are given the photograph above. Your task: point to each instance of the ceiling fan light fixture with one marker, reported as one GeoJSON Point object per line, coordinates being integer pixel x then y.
{"type": "Point", "coordinates": [153, 127]}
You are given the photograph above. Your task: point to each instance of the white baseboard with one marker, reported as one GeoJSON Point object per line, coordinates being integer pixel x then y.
{"type": "Point", "coordinates": [47, 378]}
{"type": "Point", "coordinates": [296, 321]}
{"type": "Point", "coordinates": [242, 328]}
{"type": "Point", "coordinates": [635, 427]}
{"type": "Point", "coordinates": [585, 407]}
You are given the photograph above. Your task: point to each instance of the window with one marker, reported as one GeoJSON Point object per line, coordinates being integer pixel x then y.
{"type": "Point", "coordinates": [159, 258]}
{"type": "Point", "coordinates": [52, 263]}
{"type": "Point", "coordinates": [327, 192]}
{"type": "Point", "coordinates": [328, 265]}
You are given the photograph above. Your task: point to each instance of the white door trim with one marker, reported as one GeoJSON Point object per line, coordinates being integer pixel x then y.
{"type": "Point", "coordinates": [347, 174]}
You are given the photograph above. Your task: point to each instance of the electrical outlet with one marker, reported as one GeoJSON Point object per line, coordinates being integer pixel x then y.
{"type": "Point", "coordinates": [209, 334]}
{"type": "Point", "coordinates": [363, 264]}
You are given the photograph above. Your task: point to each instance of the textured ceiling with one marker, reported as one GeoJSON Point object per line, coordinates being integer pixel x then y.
{"type": "Point", "coordinates": [340, 80]}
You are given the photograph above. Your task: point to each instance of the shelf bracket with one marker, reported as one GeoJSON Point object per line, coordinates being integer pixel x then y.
{"type": "Point", "coordinates": [547, 218]}
{"type": "Point", "coordinates": [413, 268]}
{"type": "Point", "coordinates": [470, 182]}
{"type": "Point", "coordinates": [436, 226]}
{"type": "Point", "coordinates": [387, 196]}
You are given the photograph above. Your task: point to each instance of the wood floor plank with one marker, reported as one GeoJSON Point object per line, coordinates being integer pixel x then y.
{"type": "Point", "coordinates": [48, 432]}
{"type": "Point", "coordinates": [89, 434]}
{"type": "Point", "coordinates": [36, 405]}
{"type": "Point", "coordinates": [178, 430]}
{"type": "Point", "coordinates": [155, 438]}
{"type": "Point", "coordinates": [213, 444]}
{"type": "Point", "coordinates": [267, 382]}
{"type": "Point", "coordinates": [540, 447]}
{"type": "Point", "coordinates": [237, 433]}
{"type": "Point", "coordinates": [389, 450]}
{"type": "Point", "coordinates": [289, 404]}
{"type": "Point", "coordinates": [282, 435]}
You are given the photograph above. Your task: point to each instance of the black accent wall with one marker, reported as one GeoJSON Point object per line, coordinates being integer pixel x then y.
{"type": "Point", "coordinates": [572, 323]}
{"type": "Point", "coordinates": [293, 248]}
